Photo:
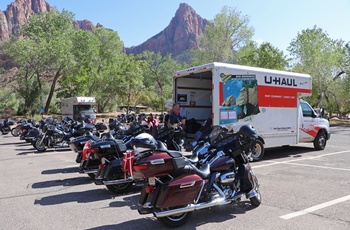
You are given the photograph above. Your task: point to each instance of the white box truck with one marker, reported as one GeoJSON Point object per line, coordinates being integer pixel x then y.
{"type": "Point", "coordinates": [270, 100]}
{"type": "Point", "coordinates": [79, 108]}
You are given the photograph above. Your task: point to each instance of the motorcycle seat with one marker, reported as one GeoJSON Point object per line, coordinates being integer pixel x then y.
{"type": "Point", "coordinates": [173, 153]}
{"type": "Point", "coordinates": [203, 172]}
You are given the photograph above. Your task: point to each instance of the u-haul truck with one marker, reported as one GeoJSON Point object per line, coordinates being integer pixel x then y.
{"type": "Point", "coordinates": [270, 100]}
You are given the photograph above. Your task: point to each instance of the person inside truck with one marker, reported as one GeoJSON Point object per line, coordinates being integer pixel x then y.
{"type": "Point", "coordinates": [175, 118]}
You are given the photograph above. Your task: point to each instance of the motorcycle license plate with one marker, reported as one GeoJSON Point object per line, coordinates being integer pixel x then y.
{"type": "Point", "coordinates": [152, 181]}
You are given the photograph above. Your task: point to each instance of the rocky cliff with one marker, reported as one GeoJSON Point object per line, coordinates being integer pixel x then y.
{"type": "Point", "coordinates": [18, 13]}
{"type": "Point", "coordinates": [180, 35]}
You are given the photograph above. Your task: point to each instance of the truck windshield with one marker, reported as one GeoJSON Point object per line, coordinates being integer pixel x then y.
{"type": "Point", "coordinates": [84, 108]}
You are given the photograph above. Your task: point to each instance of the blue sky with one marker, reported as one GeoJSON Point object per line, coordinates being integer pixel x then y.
{"type": "Point", "coordinates": [274, 21]}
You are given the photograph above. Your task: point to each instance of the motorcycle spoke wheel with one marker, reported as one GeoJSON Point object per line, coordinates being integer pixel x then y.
{"type": "Point", "coordinates": [40, 146]}
{"type": "Point", "coordinates": [120, 188]}
{"type": "Point", "coordinates": [175, 221]}
{"type": "Point", "coordinates": [15, 132]}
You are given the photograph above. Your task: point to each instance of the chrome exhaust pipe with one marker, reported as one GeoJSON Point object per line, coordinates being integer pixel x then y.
{"type": "Point", "coordinates": [120, 181]}
{"type": "Point", "coordinates": [192, 207]}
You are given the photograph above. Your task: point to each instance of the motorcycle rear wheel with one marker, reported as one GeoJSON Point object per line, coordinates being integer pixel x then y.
{"type": "Point", "coordinates": [40, 146]}
{"type": "Point", "coordinates": [175, 220]}
{"type": "Point", "coordinates": [120, 188]}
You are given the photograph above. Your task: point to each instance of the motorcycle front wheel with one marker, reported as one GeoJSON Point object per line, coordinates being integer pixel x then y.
{"type": "Point", "coordinates": [175, 221]}
{"type": "Point", "coordinates": [15, 132]}
{"type": "Point", "coordinates": [256, 200]}
{"type": "Point", "coordinates": [40, 146]}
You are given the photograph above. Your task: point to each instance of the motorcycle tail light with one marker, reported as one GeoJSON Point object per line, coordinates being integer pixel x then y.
{"type": "Point", "coordinates": [150, 188]}
{"type": "Point", "coordinates": [95, 150]}
{"type": "Point", "coordinates": [140, 167]}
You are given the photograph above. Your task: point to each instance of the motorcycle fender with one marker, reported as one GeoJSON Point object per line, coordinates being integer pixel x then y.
{"type": "Point", "coordinates": [180, 191]}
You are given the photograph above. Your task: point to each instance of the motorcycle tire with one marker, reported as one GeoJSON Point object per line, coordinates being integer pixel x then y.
{"type": "Point", "coordinates": [120, 188]}
{"type": "Point", "coordinates": [256, 200]}
{"type": "Point", "coordinates": [15, 132]}
{"type": "Point", "coordinates": [4, 133]}
{"type": "Point", "coordinates": [175, 220]}
{"type": "Point", "coordinates": [92, 176]}
{"type": "Point", "coordinates": [40, 146]}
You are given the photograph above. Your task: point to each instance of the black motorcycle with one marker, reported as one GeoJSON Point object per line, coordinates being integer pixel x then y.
{"type": "Point", "coordinates": [110, 171]}
{"type": "Point", "coordinates": [5, 126]}
{"type": "Point", "coordinates": [57, 136]}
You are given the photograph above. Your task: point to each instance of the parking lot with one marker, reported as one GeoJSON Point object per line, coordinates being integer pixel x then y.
{"type": "Point", "coordinates": [301, 189]}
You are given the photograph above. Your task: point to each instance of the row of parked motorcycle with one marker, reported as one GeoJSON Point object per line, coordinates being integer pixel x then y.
{"type": "Point", "coordinates": [126, 152]}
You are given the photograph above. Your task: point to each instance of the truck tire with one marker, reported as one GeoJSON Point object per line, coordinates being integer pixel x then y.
{"type": "Point", "coordinates": [258, 151]}
{"type": "Point", "coordinates": [320, 141]}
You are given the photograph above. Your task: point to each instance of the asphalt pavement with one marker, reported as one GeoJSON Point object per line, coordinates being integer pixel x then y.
{"type": "Point", "coordinates": [301, 189]}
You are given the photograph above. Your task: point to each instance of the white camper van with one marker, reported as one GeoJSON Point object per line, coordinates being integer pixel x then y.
{"type": "Point", "coordinates": [79, 108]}
{"type": "Point", "coordinates": [270, 100]}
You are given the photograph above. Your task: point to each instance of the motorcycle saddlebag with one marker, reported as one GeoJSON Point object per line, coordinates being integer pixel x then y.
{"type": "Point", "coordinates": [181, 191]}
{"type": "Point", "coordinates": [110, 147]}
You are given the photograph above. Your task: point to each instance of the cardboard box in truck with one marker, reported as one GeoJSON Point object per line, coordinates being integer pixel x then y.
{"type": "Point", "coordinates": [270, 100]}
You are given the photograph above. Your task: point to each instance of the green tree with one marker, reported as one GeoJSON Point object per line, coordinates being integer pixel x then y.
{"type": "Point", "coordinates": [223, 36]}
{"type": "Point", "coordinates": [158, 76]}
{"type": "Point", "coordinates": [264, 56]}
{"type": "Point", "coordinates": [43, 51]}
{"type": "Point", "coordinates": [320, 56]}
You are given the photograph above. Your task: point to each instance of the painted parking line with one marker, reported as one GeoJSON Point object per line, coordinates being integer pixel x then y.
{"type": "Point", "coordinates": [299, 159]}
{"type": "Point", "coordinates": [315, 208]}
{"type": "Point", "coordinates": [316, 166]}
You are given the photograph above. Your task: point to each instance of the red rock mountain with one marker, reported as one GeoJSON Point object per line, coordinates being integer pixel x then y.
{"type": "Point", "coordinates": [180, 35]}
{"type": "Point", "coordinates": [18, 13]}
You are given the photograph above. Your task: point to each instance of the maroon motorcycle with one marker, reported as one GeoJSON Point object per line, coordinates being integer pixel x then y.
{"type": "Point", "coordinates": [175, 185]}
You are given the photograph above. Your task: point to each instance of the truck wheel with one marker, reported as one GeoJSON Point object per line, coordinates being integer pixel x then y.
{"type": "Point", "coordinates": [258, 151]}
{"type": "Point", "coordinates": [320, 141]}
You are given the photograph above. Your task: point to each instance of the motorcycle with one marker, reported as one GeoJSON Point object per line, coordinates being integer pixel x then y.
{"type": "Point", "coordinates": [176, 186]}
{"type": "Point", "coordinates": [89, 161]}
{"type": "Point", "coordinates": [5, 126]}
{"type": "Point", "coordinates": [91, 132]}
{"type": "Point", "coordinates": [57, 135]}
{"type": "Point", "coordinates": [104, 158]}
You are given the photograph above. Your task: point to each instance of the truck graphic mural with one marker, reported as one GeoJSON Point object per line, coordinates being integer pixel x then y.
{"type": "Point", "coordinates": [240, 94]}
